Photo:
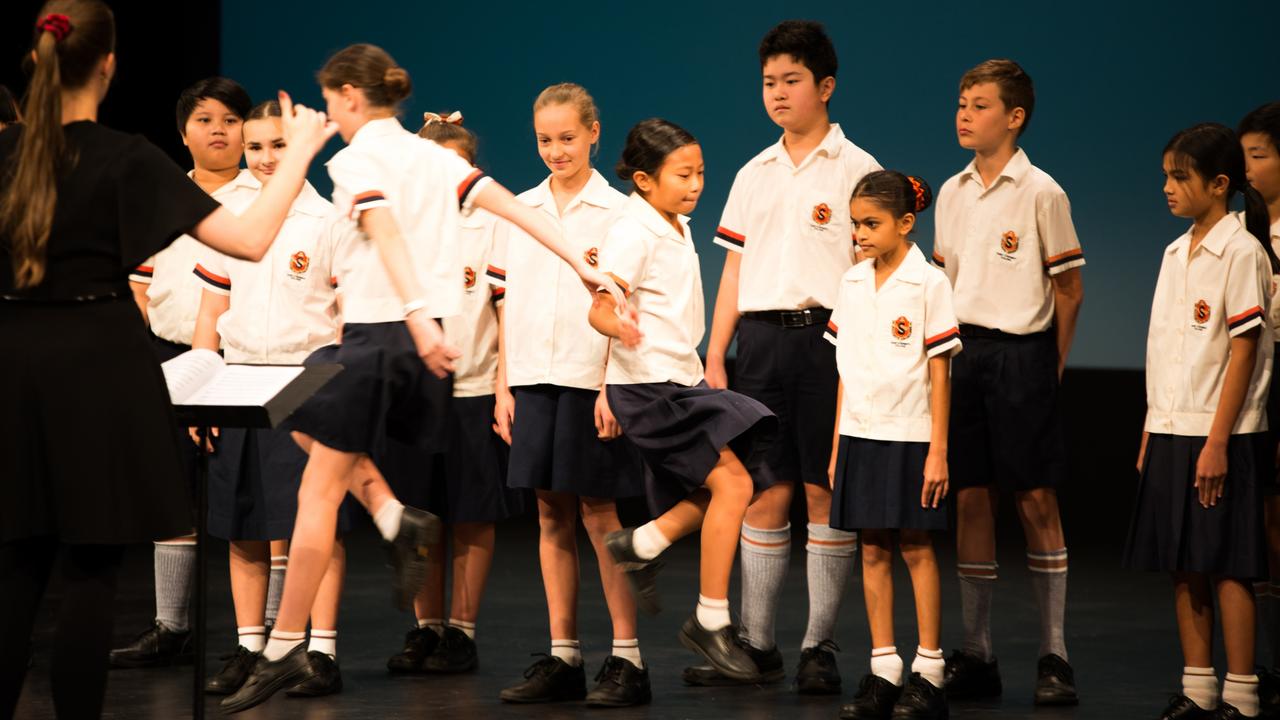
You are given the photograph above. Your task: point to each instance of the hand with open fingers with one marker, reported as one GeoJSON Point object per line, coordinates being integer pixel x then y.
{"type": "Point", "coordinates": [936, 480]}
{"type": "Point", "coordinates": [1211, 473]}
{"type": "Point", "coordinates": [428, 338]}
{"type": "Point", "coordinates": [629, 326]}
{"type": "Point", "coordinates": [504, 413]}
{"type": "Point", "coordinates": [595, 281]}
{"type": "Point", "coordinates": [208, 441]}
{"type": "Point", "coordinates": [305, 130]}
{"type": "Point", "coordinates": [607, 427]}
{"type": "Point", "coordinates": [716, 375]}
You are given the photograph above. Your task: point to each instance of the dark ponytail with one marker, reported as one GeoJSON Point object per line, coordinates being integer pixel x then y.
{"type": "Point", "coordinates": [899, 194]}
{"type": "Point", "coordinates": [1212, 149]}
{"type": "Point", "coordinates": [71, 38]}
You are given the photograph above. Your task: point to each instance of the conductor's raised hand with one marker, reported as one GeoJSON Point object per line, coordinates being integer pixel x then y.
{"type": "Point", "coordinates": [305, 130]}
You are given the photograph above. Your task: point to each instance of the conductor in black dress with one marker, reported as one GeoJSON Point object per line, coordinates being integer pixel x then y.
{"type": "Point", "coordinates": [87, 449]}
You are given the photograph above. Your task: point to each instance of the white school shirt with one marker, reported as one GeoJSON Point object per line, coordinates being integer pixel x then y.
{"type": "Point", "coordinates": [1275, 282]}
{"type": "Point", "coordinates": [547, 336]}
{"type": "Point", "coordinates": [173, 295]}
{"type": "Point", "coordinates": [475, 330]}
{"type": "Point", "coordinates": [284, 306]}
{"type": "Point", "coordinates": [659, 267]}
{"type": "Point", "coordinates": [1001, 245]}
{"type": "Point", "coordinates": [1199, 305]}
{"type": "Point", "coordinates": [884, 339]}
{"type": "Point", "coordinates": [792, 224]}
{"type": "Point", "coordinates": [427, 189]}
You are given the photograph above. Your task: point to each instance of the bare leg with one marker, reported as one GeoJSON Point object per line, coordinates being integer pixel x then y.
{"type": "Point", "coordinates": [473, 545]}
{"type": "Point", "coordinates": [877, 584]}
{"type": "Point", "coordinates": [922, 563]}
{"type": "Point", "coordinates": [1237, 615]}
{"type": "Point", "coordinates": [1193, 603]}
{"type": "Point", "coordinates": [250, 564]}
{"type": "Point", "coordinates": [600, 517]}
{"type": "Point", "coordinates": [730, 486]}
{"type": "Point", "coordinates": [558, 554]}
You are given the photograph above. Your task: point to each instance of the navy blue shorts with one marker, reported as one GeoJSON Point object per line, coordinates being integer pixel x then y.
{"type": "Point", "coordinates": [792, 371]}
{"type": "Point", "coordinates": [1006, 425]}
{"type": "Point", "coordinates": [680, 431]}
{"type": "Point", "coordinates": [1271, 483]}
{"type": "Point", "coordinates": [554, 446]}
{"type": "Point", "coordinates": [878, 485]}
{"type": "Point", "coordinates": [253, 484]}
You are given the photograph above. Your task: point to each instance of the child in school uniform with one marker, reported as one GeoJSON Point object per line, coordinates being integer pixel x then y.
{"type": "Point", "coordinates": [468, 487]}
{"type": "Point", "coordinates": [1004, 237]}
{"type": "Point", "coordinates": [895, 333]}
{"type": "Point", "coordinates": [210, 115]}
{"type": "Point", "coordinates": [701, 445]}
{"type": "Point", "coordinates": [1259, 134]}
{"type": "Point", "coordinates": [275, 312]}
{"type": "Point", "coordinates": [1205, 455]}
{"type": "Point", "coordinates": [398, 277]}
{"type": "Point", "coordinates": [787, 235]}
{"type": "Point", "coordinates": [564, 439]}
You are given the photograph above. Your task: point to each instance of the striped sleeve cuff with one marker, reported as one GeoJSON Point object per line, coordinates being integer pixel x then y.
{"type": "Point", "coordinates": [729, 239]}
{"type": "Point", "coordinates": [939, 260]}
{"type": "Point", "coordinates": [468, 187]}
{"type": "Point", "coordinates": [497, 294]}
{"type": "Point", "coordinates": [142, 274]}
{"type": "Point", "coordinates": [495, 276]}
{"type": "Point", "coordinates": [1245, 321]}
{"type": "Point", "coordinates": [832, 333]}
{"type": "Point", "coordinates": [368, 201]}
{"type": "Point", "coordinates": [944, 342]}
{"type": "Point", "coordinates": [1063, 262]}
{"type": "Point", "coordinates": [213, 283]}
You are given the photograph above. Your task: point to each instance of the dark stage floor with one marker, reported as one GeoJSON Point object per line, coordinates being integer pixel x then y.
{"type": "Point", "coordinates": [1120, 633]}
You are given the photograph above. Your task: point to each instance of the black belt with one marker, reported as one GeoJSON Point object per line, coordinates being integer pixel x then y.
{"type": "Point", "coordinates": [791, 318]}
{"type": "Point", "coordinates": [977, 331]}
{"type": "Point", "coordinates": [76, 300]}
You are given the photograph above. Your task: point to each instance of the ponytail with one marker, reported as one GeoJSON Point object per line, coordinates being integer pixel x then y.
{"type": "Point", "coordinates": [1256, 219]}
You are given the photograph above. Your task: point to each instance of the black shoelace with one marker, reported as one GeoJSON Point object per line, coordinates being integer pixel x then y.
{"type": "Point", "coordinates": [543, 667]}
{"type": "Point", "coordinates": [611, 671]}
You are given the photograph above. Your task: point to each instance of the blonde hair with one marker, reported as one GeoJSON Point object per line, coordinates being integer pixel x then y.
{"type": "Point", "coordinates": [570, 94]}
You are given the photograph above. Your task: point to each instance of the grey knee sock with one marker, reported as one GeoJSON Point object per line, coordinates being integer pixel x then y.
{"type": "Point", "coordinates": [175, 564]}
{"type": "Point", "coordinates": [275, 586]}
{"type": "Point", "coordinates": [829, 562]}
{"type": "Point", "coordinates": [977, 581]}
{"type": "Point", "coordinates": [1049, 578]}
{"type": "Point", "coordinates": [765, 554]}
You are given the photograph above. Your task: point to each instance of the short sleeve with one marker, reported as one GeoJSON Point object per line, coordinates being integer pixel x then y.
{"type": "Point", "coordinates": [832, 331]}
{"type": "Point", "coordinates": [356, 185]}
{"type": "Point", "coordinates": [731, 234]}
{"type": "Point", "coordinates": [1247, 288]}
{"type": "Point", "coordinates": [495, 271]}
{"type": "Point", "coordinates": [155, 203]}
{"type": "Point", "coordinates": [941, 331]}
{"type": "Point", "coordinates": [940, 250]}
{"type": "Point", "coordinates": [212, 271]}
{"type": "Point", "coordinates": [341, 235]}
{"type": "Point", "coordinates": [462, 177]}
{"type": "Point", "coordinates": [1058, 242]}
{"type": "Point", "coordinates": [144, 271]}
{"type": "Point", "coordinates": [625, 254]}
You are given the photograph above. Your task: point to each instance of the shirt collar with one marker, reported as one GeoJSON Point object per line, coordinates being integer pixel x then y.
{"type": "Point", "coordinates": [654, 222]}
{"type": "Point", "coordinates": [1215, 241]}
{"type": "Point", "coordinates": [911, 270]}
{"type": "Point", "coordinates": [244, 180]}
{"type": "Point", "coordinates": [1014, 170]}
{"type": "Point", "coordinates": [597, 192]}
{"type": "Point", "coordinates": [382, 127]}
{"type": "Point", "coordinates": [831, 146]}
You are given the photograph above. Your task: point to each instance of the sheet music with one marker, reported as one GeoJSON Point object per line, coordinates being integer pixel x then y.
{"type": "Point", "coordinates": [189, 371]}
{"type": "Point", "coordinates": [244, 385]}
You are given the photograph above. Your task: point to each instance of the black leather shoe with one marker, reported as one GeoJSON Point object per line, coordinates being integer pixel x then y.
{"type": "Point", "coordinates": [548, 680]}
{"type": "Point", "coordinates": [1227, 711]}
{"type": "Point", "coordinates": [1055, 682]}
{"type": "Point", "coordinates": [874, 700]}
{"type": "Point", "coordinates": [721, 648]}
{"type": "Point", "coordinates": [620, 684]}
{"type": "Point", "coordinates": [326, 678]}
{"type": "Point", "coordinates": [268, 678]}
{"type": "Point", "coordinates": [817, 673]}
{"type": "Point", "coordinates": [642, 574]}
{"type": "Point", "coordinates": [769, 668]}
{"type": "Point", "coordinates": [456, 653]}
{"type": "Point", "coordinates": [407, 554]}
{"type": "Point", "coordinates": [419, 643]}
{"type": "Point", "coordinates": [921, 700]}
{"type": "Point", "coordinates": [969, 678]}
{"type": "Point", "coordinates": [233, 674]}
{"type": "Point", "coordinates": [1182, 707]}
{"type": "Point", "coordinates": [1268, 693]}
{"type": "Point", "coordinates": [154, 647]}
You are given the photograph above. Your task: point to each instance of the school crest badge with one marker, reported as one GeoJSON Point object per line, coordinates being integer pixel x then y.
{"type": "Point", "coordinates": [592, 257]}
{"type": "Point", "coordinates": [901, 329]}
{"type": "Point", "coordinates": [468, 278]}
{"type": "Point", "coordinates": [299, 263]}
{"type": "Point", "coordinates": [821, 214]}
{"type": "Point", "coordinates": [1009, 242]}
{"type": "Point", "coordinates": [1202, 312]}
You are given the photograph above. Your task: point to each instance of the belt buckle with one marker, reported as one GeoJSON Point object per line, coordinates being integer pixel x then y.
{"type": "Point", "coordinates": [797, 318]}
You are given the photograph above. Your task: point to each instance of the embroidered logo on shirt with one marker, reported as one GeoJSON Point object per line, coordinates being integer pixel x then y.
{"type": "Point", "coordinates": [1009, 242]}
{"type": "Point", "coordinates": [1202, 312]}
{"type": "Point", "coordinates": [901, 329]}
{"type": "Point", "coordinates": [468, 278]}
{"type": "Point", "coordinates": [821, 214]}
{"type": "Point", "coordinates": [298, 263]}
{"type": "Point", "coordinates": [592, 257]}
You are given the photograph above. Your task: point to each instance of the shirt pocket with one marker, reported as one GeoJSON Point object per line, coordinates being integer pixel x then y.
{"type": "Point", "coordinates": [1014, 247]}
{"type": "Point", "coordinates": [824, 219]}
{"type": "Point", "coordinates": [900, 341]}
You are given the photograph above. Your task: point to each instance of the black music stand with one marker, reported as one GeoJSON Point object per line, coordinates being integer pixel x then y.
{"type": "Point", "coordinates": [204, 417]}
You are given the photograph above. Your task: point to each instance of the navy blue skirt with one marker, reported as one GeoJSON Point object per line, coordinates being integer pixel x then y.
{"type": "Point", "coordinates": [878, 485]}
{"type": "Point", "coordinates": [680, 431]}
{"type": "Point", "coordinates": [554, 446]}
{"type": "Point", "coordinates": [1171, 531]}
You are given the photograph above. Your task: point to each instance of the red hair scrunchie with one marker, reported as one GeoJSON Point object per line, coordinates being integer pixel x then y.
{"type": "Point", "coordinates": [919, 190]}
{"type": "Point", "coordinates": [56, 23]}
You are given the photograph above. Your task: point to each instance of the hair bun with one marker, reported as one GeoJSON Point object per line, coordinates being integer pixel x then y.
{"type": "Point", "coordinates": [396, 80]}
{"type": "Point", "coordinates": [922, 192]}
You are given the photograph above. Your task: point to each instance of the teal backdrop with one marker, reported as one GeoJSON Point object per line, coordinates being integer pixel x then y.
{"type": "Point", "coordinates": [1114, 81]}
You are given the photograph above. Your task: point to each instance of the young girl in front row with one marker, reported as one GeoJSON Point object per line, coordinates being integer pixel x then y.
{"type": "Point", "coordinates": [407, 195]}
{"type": "Point", "coordinates": [697, 441]}
{"type": "Point", "coordinates": [274, 311]}
{"type": "Point", "coordinates": [895, 332]}
{"type": "Point", "coordinates": [468, 487]}
{"type": "Point", "coordinates": [1204, 456]}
